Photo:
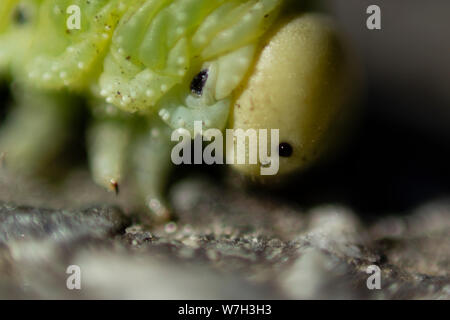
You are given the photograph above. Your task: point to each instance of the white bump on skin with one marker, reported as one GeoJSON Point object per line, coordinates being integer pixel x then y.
{"type": "Point", "coordinates": [181, 61]}
{"type": "Point", "coordinates": [149, 93]}
{"type": "Point", "coordinates": [56, 10]}
{"type": "Point", "coordinates": [226, 34]}
{"type": "Point", "coordinates": [180, 31]}
{"type": "Point", "coordinates": [258, 6]}
{"type": "Point", "coordinates": [80, 65]}
{"type": "Point", "coordinates": [46, 76]}
{"type": "Point", "coordinates": [126, 99]}
{"type": "Point", "coordinates": [63, 74]}
{"type": "Point", "coordinates": [109, 100]}
{"type": "Point", "coordinates": [164, 88]}
{"type": "Point", "coordinates": [162, 112]}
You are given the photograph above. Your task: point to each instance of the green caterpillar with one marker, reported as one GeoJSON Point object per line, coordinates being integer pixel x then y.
{"type": "Point", "coordinates": [148, 67]}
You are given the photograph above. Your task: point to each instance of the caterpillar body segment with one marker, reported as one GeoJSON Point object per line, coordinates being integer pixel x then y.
{"type": "Point", "coordinates": [160, 46]}
{"type": "Point", "coordinates": [69, 57]}
{"type": "Point", "coordinates": [135, 53]}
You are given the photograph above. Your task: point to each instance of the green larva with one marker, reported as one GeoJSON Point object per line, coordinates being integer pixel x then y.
{"type": "Point", "coordinates": [148, 67]}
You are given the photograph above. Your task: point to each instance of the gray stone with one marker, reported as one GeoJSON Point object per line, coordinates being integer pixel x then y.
{"type": "Point", "coordinates": [225, 243]}
{"type": "Point", "coordinates": [24, 223]}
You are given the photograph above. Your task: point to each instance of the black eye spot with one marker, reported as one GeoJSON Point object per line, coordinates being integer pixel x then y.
{"type": "Point", "coordinates": [20, 16]}
{"type": "Point", "coordinates": [198, 82]}
{"type": "Point", "coordinates": [285, 150]}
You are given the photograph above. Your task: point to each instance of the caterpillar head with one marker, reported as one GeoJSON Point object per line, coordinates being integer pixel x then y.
{"type": "Point", "coordinates": [299, 85]}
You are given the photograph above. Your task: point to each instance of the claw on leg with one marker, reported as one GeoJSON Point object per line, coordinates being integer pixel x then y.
{"type": "Point", "coordinates": [108, 142]}
{"type": "Point", "coordinates": [115, 186]}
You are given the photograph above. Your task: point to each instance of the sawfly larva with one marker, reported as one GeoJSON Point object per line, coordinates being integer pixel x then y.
{"type": "Point", "coordinates": [148, 67]}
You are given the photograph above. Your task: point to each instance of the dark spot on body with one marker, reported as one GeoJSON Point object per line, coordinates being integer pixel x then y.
{"type": "Point", "coordinates": [115, 186]}
{"type": "Point", "coordinates": [199, 82]}
{"type": "Point", "coordinates": [20, 16]}
{"type": "Point", "coordinates": [285, 150]}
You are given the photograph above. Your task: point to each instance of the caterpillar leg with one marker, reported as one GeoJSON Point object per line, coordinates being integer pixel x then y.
{"type": "Point", "coordinates": [152, 167]}
{"type": "Point", "coordinates": [108, 141]}
{"type": "Point", "coordinates": [36, 130]}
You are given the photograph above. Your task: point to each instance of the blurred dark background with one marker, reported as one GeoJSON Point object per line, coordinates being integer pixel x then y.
{"type": "Point", "coordinates": [400, 156]}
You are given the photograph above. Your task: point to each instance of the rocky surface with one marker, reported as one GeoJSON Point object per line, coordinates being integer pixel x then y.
{"type": "Point", "coordinates": [227, 243]}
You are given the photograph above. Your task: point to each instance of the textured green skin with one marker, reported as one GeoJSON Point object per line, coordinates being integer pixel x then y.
{"type": "Point", "coordinates": [139, 55]}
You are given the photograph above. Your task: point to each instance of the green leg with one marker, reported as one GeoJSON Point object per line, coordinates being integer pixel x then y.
{"type": "Point", "coordinates": [152, 167]}
{"type": "Point", "coordinates": [36, 130]}
{"type": "Point", "coordinates": [108, 140]}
